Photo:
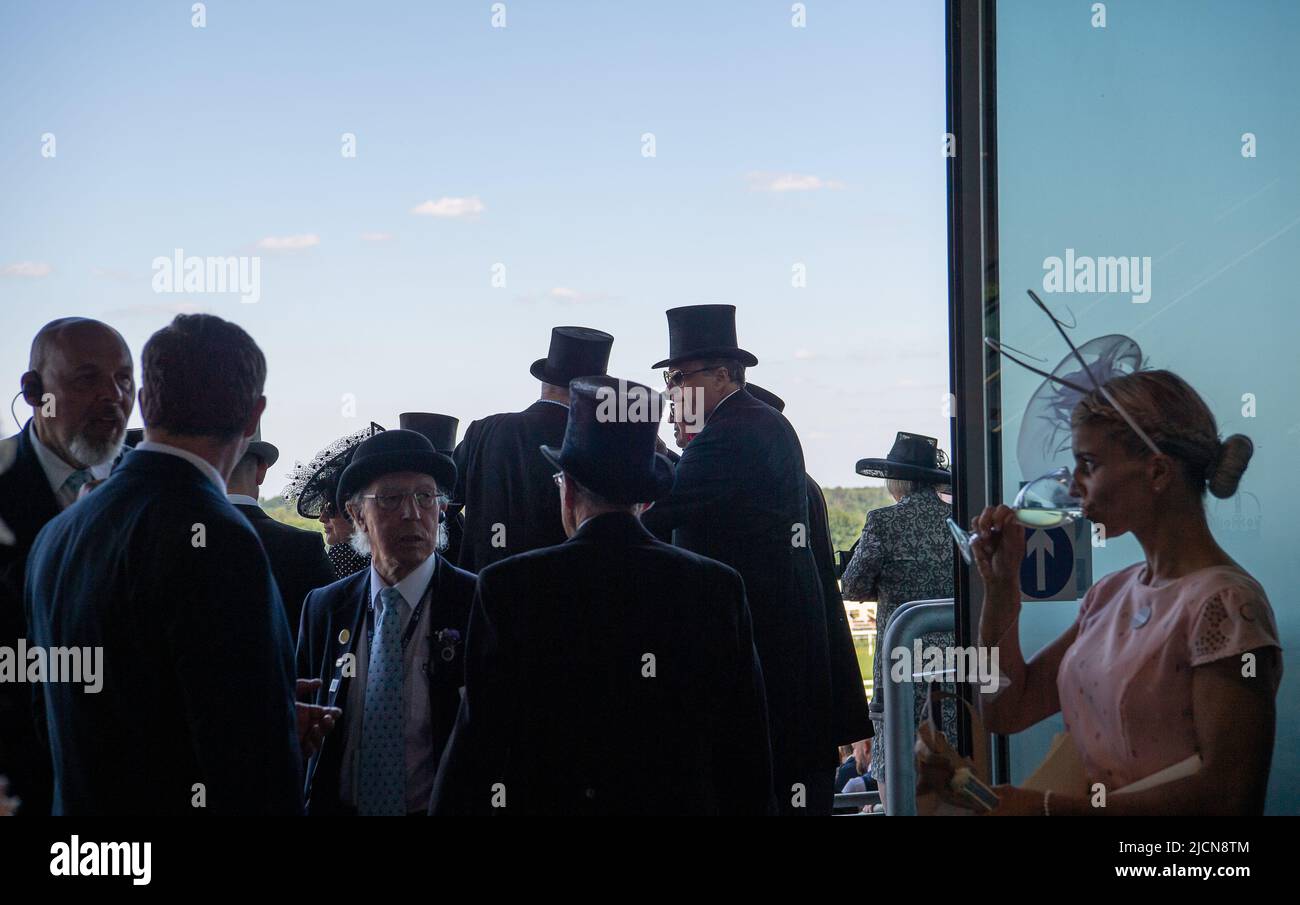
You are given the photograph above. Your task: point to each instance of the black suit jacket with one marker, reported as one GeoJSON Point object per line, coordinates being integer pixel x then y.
{"type": "Point", "coordinates": [297, 560]}
{"type": "Point", "coordinates": [561, 707]}
{"type": "Point", "coordinates": [342, 606]}
{"type": "Point", "coordinates": [740, 496]}
{"type": "Point", "coordinates": [159, 570]}
{"type": "Point", "coordinates": [502, 479]}
{"type": "Point", "coordinates": [851, 720]}
{"type": "Point", "coordinates": [26, 504]}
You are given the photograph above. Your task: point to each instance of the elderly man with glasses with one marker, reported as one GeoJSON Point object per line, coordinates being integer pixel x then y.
{"type": "Point", "coordinates": [386, 643]}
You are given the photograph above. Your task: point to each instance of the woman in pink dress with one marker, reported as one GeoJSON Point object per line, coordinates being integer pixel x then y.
{"type": "Point", "coordinates": [1172, 657]}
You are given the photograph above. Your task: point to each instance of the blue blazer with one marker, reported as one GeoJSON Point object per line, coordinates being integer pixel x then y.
{"type": "Point", "coordinates": [341, 607]}
{"type": "Point", "coordinates": [196, 706]}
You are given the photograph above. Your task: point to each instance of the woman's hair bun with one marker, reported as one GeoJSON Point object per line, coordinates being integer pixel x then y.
{"type": "Point", "coordinates": [1234, 456]}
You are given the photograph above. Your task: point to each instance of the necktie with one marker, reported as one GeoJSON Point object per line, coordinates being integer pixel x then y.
{"type": "Point", "coordinates": [74, 483]}
{"type": "Point", "coordinates": [382, 784]}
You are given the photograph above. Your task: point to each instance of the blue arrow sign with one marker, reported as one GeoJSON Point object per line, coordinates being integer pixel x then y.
{"type": "Point", "coordinates": [1048, 565]}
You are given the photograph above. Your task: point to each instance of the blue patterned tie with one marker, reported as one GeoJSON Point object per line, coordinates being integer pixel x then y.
{"type": "Point", "coordinates": [382, 785]}
{"type": "Point", "coordinates": [75, 482]}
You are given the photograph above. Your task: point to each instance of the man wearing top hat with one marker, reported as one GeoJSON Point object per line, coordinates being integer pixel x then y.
{"type": "Point", "coordinates": [511, 505]}
{"type": "Point", "coordinates": [612, 673]}
{"type": "Point", "coordinates": [387, 643]}
{"type": "Point", "coordinates": [440, 430]}
{"type": "Point", "coordinates": [740, 496]}
{"type": "Point", "coordinates": [297, 557]}
{"type": "Point", "coordinates": [852, 720]}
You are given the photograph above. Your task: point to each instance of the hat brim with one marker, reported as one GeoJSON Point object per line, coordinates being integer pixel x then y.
{"type": "Point", "coordinates": [883, 468]}
{"type": "Point", "coordinates": [646, 489]}
{"type": "Point", "coordinates": [359, 474]}
{"type": "Point", "coordinates": [267, 452]}
{"type": "Point", "coordinates": [539, 370]}
{"type": "Point", "coordinates": [745, 358]}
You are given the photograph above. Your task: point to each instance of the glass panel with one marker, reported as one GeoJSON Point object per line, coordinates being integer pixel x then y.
{"type": "Point", "coordinates": [1164, 135]}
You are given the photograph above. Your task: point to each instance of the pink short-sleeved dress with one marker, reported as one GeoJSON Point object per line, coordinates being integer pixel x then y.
{"type": "Point", "coordinates": [1125, 683]}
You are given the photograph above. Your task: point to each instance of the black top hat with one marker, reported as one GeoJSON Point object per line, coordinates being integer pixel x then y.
{"type": "Point", "coordinates": [767, 397]}
{"type": "Point", "coordinates": [911, 458]}
{"type": "Point", "coordinates": [703, 331]}
{"type": "Point", "coordinates": [391, 451]}
{"type": "Point", "coordinates": [609, 441]}
{"type": "Point", "coordinates": [574, 352]}
{"type": "Point", "coordinates": [313, 485]}
{"type": "Point", "coordinates": [440, 430]}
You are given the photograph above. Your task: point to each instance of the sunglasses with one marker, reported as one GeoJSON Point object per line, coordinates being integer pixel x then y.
{"type": "Point", "coordinates": [674, 377]}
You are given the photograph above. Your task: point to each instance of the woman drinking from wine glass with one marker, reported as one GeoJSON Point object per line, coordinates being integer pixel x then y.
{"type": "Point", "coordinates": [1173, 657]}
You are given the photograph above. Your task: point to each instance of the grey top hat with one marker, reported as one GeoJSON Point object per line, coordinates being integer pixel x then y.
{"type": "Point", "coordinates": [267, 452]}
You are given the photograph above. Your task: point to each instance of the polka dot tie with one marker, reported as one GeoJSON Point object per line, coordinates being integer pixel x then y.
{"type": "Point", "coordinates": [382, 784]}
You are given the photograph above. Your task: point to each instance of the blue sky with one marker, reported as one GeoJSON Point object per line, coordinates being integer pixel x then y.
{"type": "Point", "coordinates": [774, 146]}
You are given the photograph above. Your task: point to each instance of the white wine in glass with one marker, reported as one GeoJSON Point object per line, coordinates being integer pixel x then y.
{"type": "Point", "coordinates": [1045, 502]}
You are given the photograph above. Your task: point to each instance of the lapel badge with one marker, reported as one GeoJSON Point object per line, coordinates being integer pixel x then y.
{"type": "Point", "coordinates": [1142, 616]}
{"type": "Point", "coordinates": [344, 635]}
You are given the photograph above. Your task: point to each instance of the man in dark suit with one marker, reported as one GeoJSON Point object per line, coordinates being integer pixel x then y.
{"type": "Point", "coordinates": [387, 643]}
{"type": "Point", "coordinates": [297, 557]}
{"type": "Point", "coordinates": [851, 717]}
{"type": "Point", "coordinates": [611, 674]}
{"type": "Point", "coordinates": [195, 711]}
{"type": "Point", "coordinates": [80, 384]}
{"type": "Point", "coordinates": [740, 496]}
{"type": "Point", "coordinates": [511, 504]}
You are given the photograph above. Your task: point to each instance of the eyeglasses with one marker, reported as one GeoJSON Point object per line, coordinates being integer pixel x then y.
{"type": "Point", "coordinates": [675, 377]}
{"type": "Point", "coordinates": [390, 502]}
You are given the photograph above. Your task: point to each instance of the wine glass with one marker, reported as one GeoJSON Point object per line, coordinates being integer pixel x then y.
{"type": "Point", "coordinates": [1045, 502]}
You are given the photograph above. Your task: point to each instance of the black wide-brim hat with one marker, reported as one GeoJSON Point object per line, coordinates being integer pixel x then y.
{"type": "Point", "coordinates": [574, 352]}
{"type": "Point", "coordinates": [440, 430]}
{"type": "Point", "coordinates": [609, 441]}
{"type": "Point", "coordinates": [314, 485]}
{"type": "Point", "coordinates": [393, 451]}
{"type": "Point", "coordinates": [913, 457]}
{"type": "Point", "coordinates": [703, 331]}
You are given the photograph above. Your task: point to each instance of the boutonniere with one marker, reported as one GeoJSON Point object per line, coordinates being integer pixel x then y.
{"type": "Point", "coordinates": [446, 641]}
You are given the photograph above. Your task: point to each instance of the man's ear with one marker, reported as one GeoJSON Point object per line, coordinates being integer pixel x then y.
{"type": "Point", "coordinates": [262, 469]}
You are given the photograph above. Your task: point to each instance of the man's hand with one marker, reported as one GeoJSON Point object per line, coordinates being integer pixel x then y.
{"type": "Point", "coordinates": [314, 721]}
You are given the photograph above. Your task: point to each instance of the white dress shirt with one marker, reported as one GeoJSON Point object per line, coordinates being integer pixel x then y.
{"type": "Point", "coordinates": [203, 465]}
{"type": "Point", "coordinates": [242, 499]}
{"type": "Point", "coordinates": [421, 759]}
{"type": "Point", "coordinates": [58, 471]}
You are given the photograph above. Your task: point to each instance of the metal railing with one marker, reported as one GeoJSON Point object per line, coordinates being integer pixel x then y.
{"type": "Point", "coordinates": [907, 623]}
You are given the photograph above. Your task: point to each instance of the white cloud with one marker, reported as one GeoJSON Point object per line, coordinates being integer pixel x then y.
{"type": "Point", "coordinates": [789, 182]}
{"type": "Point", "coordinates": [105, 273]}
{"type": "Point", "coordinates": [376, 237]}
{"type": "Point", "coordinates": [288, 243]}
{"type": "Point", "coordinates": [26, 269]}
{"type": "Point", "coordinates": [451, 207]}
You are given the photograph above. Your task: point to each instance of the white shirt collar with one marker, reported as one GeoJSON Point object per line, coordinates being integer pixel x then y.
{"type": "Point", "coordinates": [56, 470]}
{"type": "Point", "coordinates": [411, 587]}
{"type": "Point", "coordinates": [555, 402]}
{"type": "Point", "coordinates": [208, 470]}
{"type": "Point", "coordinates": [242, 499]}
